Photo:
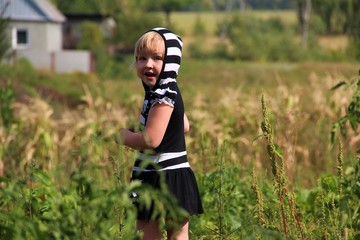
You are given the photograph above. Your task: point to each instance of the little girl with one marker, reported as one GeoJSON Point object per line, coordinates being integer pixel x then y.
{"type": "Point", "coordinates": [157, 61]}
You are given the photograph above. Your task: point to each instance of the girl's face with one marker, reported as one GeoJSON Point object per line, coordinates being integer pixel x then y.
{"type": "Point", "coordinates": [149, 65]}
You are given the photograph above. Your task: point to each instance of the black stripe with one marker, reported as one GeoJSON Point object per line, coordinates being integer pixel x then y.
{"type": "Point", "coordinates": [163, 31]}
{"type": "Point", "coordinates": [149, 165]}
{"type": "Point", "coordinates": [168, 74]}
{"type": "Point", "coordinates": [173, 161]}
{"type": "Point", "coordinates": [173, 59]}
{"type": "Point", "coordinates": [173, 43]}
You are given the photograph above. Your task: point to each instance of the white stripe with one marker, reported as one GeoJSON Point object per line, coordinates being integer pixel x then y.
{"type": "Point", "coordinates": [171, 36]}
{"type": "Point", "coordinates": [166, 81]}
{"type": "Point", "coordinates": [165, 100]}
{"type": "Point", "coordinates": [172, 67]}
{"type": "Point", "coordinates": [173, 51]}
{"type": "Point", "coordinates": [163, 91]}
{"type": "Point", "coordinates": [158, 28]}
{"type": "Point", "coordinates": [161, 157]}
{"type": "Point", "coordinates": [142, 120]}
{"type": "Point", "coordinates": [178, 166]}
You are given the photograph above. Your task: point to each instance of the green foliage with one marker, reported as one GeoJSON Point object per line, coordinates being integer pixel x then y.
{"type": "Point", "coordinates": [35, 208]}
{"type": "Point", "coordinates": [288, 214]}
{"type": "Point", "coordinates": [92, 37]}
{"type": "Point", "coordinates": [338, 210]}
{"type": "Point", "coordinates": [131, 25]}
{"type": "Point", "coordinates": [7, 97]}
{"type": "Point", "coordinates": [353, 110]}
{"type": "Point", "coordinates": [4, 40]}
{"type": "Point", "coordinates": [331, 14]}
{"type": "Point", "coordinates": [255, 39]}
{"type": "Point", "coordinates": [64, 178]}
{"type": "Point", "coordinates": [199, 27]}
{"type": "Point", "coordinates": [24, 70]}
{"type": "Point", "coordinates": [227, 200]}
{"type": "Point", "coordinates": [77, 6]}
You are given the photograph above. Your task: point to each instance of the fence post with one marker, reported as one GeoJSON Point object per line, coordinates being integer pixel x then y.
{"type": "Point", "coordinates": [52, 61]}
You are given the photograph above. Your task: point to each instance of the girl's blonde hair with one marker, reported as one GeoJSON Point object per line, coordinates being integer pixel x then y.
{"type": "Point", "coordinates": [148, 42]}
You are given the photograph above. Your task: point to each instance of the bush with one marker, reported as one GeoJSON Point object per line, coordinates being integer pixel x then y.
{"type": "Point", "coordinates": [4, 41]}
{"type": "Point", "coordinates": [255, 39]}
{"type": "Point", "coordinates": [130, 28]}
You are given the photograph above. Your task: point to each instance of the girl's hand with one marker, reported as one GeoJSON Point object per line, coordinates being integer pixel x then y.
{"type": "Point", "coordinates": [120, 137]}
{"type": "Point", "coordinates": [151, 137]}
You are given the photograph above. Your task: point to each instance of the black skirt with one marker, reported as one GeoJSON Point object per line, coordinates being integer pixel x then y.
{"type": "Point", "coordinates": [181, 183]}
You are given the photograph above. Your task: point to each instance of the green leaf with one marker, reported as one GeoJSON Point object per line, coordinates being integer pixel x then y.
{"type": "Point", "coordinates": [338, 85]}
{"type": "Point", "coordinates": [342, 129]}
{"type": "Point", "coordinates": [278, 151]}
{"type": "Point", "coordinates": [353, 123]}
{"type": "Point", "coordinates": [349, 170]}
{"type": "Point", "coordinates": [333, 132]}
{"type": "Point", "coordinates": [329, 183]}
{"type": "Point", "coordinates": [43, 177]}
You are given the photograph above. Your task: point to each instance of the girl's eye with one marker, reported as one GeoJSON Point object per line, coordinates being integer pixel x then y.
{"type": "Point", "coordinates": [159, 58]}
{"type": "Point", "coordinates": [141, 58]}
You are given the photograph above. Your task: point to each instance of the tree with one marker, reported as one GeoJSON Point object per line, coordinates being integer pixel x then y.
{"type": "Point", "coordinates": [4, 40]}
{"type": "Point", "coordinates": [331, 12]}
{"type": "Point", "coordinates": [304, 12]}
{"type": "Point", "coordinates": [169, 6]}
{"type": "Point", "coordinates": [353, 26]}
{"type": "Point", "coordinates": [77, 6]}
{"type": "Point", "coordinates": [92, 37]}
{"type": "Point", "coordinates": [132, 19]}
{"type": "Point", "coordinates": [340, 16]}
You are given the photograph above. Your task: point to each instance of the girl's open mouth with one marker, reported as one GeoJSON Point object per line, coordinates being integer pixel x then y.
{"type": "Point", "coordinates": [150, 74]}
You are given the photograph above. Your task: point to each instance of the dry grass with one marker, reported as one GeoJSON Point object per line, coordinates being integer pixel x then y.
{"type": "Point", "coordinates": [338, 42]}
{"type": "Point", "coordinates": [222, 101]}
{"type": "Point", "coordinates": [185, 21]}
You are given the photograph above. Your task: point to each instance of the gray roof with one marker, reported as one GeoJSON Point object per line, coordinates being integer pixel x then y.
{"type": "Point", "coordinates": [30, 10]}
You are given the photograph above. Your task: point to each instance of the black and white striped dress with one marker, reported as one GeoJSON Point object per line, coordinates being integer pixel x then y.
{"type": "Point", "coordinates": [170, 157]}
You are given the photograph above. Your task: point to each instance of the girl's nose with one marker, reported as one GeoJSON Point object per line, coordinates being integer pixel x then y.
{"type": "Point", "coordinates": [149, 62]}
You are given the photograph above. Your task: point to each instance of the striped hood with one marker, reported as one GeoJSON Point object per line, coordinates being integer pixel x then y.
{"type": "Point", "coordinates": [172, 60]}
{"type": "Point", "coordinates": [165, 90]}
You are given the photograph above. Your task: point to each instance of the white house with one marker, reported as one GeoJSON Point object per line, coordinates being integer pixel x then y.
{"type": "Point", "coordinates": [35, 30]}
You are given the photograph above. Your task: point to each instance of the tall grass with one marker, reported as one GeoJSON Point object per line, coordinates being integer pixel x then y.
{"type": "Point", "coordinates": [64, 178]}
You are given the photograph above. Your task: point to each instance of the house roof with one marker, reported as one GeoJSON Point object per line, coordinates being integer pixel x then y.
{"type": "Point", "coordinates": [30, 10]}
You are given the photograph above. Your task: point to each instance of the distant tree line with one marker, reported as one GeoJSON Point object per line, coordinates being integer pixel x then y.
{"type": "Point", "coordinates": [91, 6]}
{"type": "Point", "coordinates": [134, 16]}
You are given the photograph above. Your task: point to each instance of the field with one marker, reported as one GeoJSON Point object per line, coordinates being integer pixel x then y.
{"type": "Point", "coordinates": [260, 145]}
{"type": "Point", "coordinates": [184, 21]}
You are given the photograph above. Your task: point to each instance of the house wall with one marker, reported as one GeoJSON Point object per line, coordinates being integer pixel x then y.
{"type": "Point", "coordinates": [42, 36]}
{"type": "Point", "coordinates": [70, 61]}
{"type": "Point", "coordinates": [59, 61]}
{"type": "Point", "coordinates": [54, 36]}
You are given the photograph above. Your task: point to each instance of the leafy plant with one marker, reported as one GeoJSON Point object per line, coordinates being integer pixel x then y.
{"type": "Point", "coordinates": [286, 202]}
{"type": "Point", "coordinates": [4, 39]}
{"type": "Point", "coordinates": [353, 109]}
{"type": "Point", "coordinates": [7, 97]}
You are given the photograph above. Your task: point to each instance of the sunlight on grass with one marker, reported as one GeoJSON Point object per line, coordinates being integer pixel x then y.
{"type": "Point", "coordinates": [185, 21]}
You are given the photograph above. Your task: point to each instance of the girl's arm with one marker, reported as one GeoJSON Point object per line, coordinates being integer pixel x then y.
{"type": "Point", "coordinates": [186, 124]}
{"type": "Point", "coordinates": [151, 137]}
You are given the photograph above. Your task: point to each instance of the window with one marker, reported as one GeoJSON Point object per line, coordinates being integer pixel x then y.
{"type": "Point", "coordinates": [20, 38]}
